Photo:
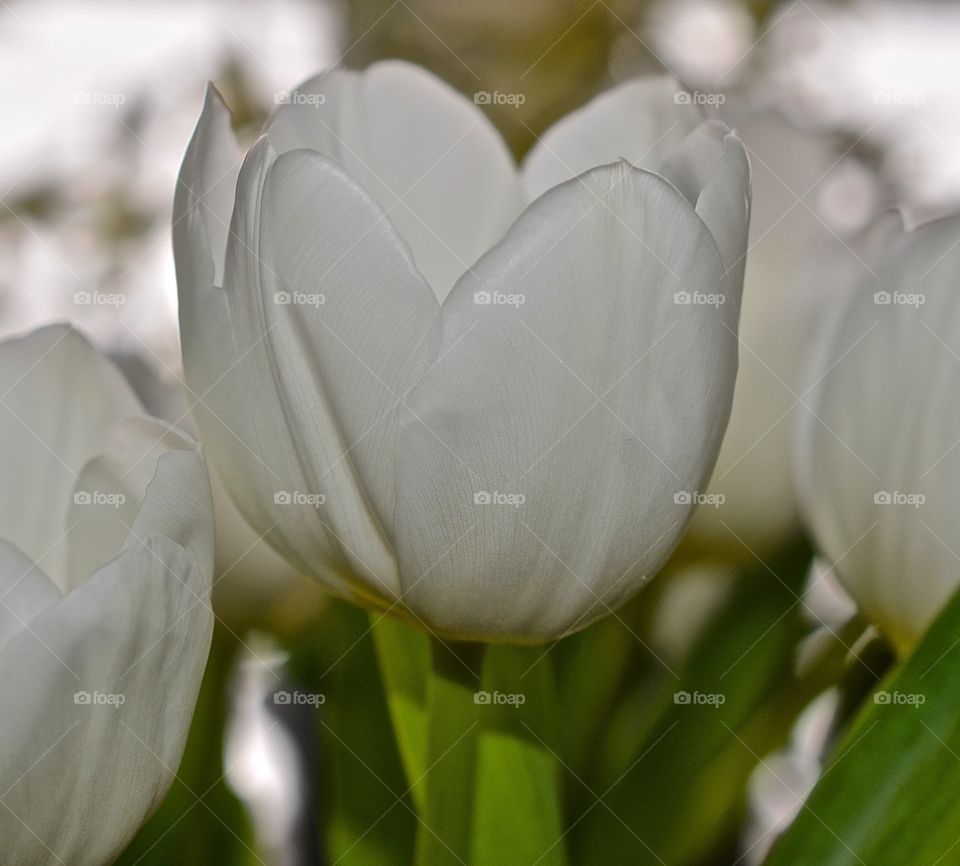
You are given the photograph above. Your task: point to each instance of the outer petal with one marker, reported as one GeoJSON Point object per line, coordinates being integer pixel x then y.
{"type": "Point", "coordinates": [717, 165]}
{"type": "Point", "coordinates": [639, 121]}
{"type": "Point", "coordinates": [885, 428]}
{"type": "Point", "coordinates": [329, 309]}
{"type": "Point", "coordinates": [599, 399]}
{"type": "Point", "coordinates": [427, 155]}
{"type": "Point", "coordinates": [149, 481]}
{"type": "Point", "coordinates": [58, 399]}
{"type": "Point", "coordinates": [80, 778]}
{"type": "Point", "coordinates": [203, 202]}
{"type": "Point", "coordinates": [215, 366]}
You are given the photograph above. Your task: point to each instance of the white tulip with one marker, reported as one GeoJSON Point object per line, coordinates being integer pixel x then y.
{"type": "Point", "coordinates": [106, 556]}
{"type": "Point", "coordinates": [487, 416]}
{"type": "Point", "coordinates": [878, 463]}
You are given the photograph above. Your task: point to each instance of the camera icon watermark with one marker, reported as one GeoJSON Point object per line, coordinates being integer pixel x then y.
{"type": "Point", "coordinates": [700, 699]}
{"type": "Point", "coordinates": [294, 97]}
{"type": "Point", "coordinates": [299, 699]}
{"type": "Point", "coordinates": [99, 699]}
{"type": "Point", "coordinates": [98, 97]}
{"type": "Point", "coordinates": [699, 299]}
{"type": "Point", "coordinates": [499, 299]}
{"type": "Point", "coordinates": [899, 299]}
{"type": "Point", "coordinates": [299, 299]}
{"type": "Point", "coordinates": [899, 699]}
{"type": "Point", "coordinates": [495, 497]}
{"type": "Point", "coordinates": [298, 497]}
{"type": "Point", "coordinates": [895, 497]}
{"type": "Point", "coordinates": [694, 497]}
{"type": "Point", "coordinates": [899, 98]}
{"type": "Point", "coordinates": [99, 299]}
{"type": "Point", "coordinates": [697, 97]}
{"type": "Point", "coordinates": [485, 97]}
{"type": "Point", "coordinates": [96, 497]}
{"type": "Point", "coordinates": [495, 698]}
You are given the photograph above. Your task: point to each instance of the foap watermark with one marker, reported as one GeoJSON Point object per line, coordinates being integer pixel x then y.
{"type": "Point", "coordinates": [899, 299]}
{"type": "Point", "coordinates": [299, 699]}
{"type": "Point", "coordinates": [700, 699]}
{"type": "Point", "coordinates": [99, 299]}
{"type": "Point", "coordinates": [298, 497]}
{"type": "Point", "coordinates": [699, 299]}
{"type": "Point", "coordinates": [99, 97]}
{"type": "Point", "coordinates": [485, 97]}
{"type": "Point", "coordinates": [899, 97]}
{"type": "Point", "coordinates": [500, 699]}
{"type": "Point", "coordinates": [896, 497]}
{"type": "Point", "coordinates": [899, 699]}
{"type": "Point", "coordinates": [495, 497]}
{"type": "Point", "coordinates": [694, 497]}
{"type": "Point", "coordinates": [498, 299]}
{"type": "Point", "coordinates": [299, 299]}
{"type": "Point", "coordinates": [97, 497]}
{"type": "Point", "coordinates": [295, 97]}
{"type": "Point", "coordinates": [99, 699]}
{"type": "Point", "coordinates": [697, 97]}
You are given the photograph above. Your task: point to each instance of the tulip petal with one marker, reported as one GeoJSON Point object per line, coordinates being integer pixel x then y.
{"type": "Point", "coordinates": [329, 310]}
{"type": "Point", "coordinates": [212, 162]}
{"type": "Point", "coordinates": [150, 480]}
{"type": "Point", "coordinates": [203, 201]}
{"type": "Point", "coordinates": [25, 591]}
{"type": "Point", "coordinates": [53, 423]}
{"type": "Point", "coordinates": [639, 121]}
{"type": "Point", "coordinates": [139, 629]}
{"type": "Point", "coordinates": [878, 466]}
{"type": "Point", "coordinates": [426, 154]}
{"type": "Point", "coordinates": [710, 167]}
{"type": "Point", "coordinates": [215, 367]}
{"type": "Point", "coordinates": [600, 396]}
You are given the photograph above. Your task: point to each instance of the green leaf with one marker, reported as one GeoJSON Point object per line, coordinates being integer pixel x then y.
{"type": "Point", "coordinates": [447, 784]}
{"type": "Point", "coordinates": [674, 794]}
{"type": "Point", "coordinates": [518, 815]}
{"type": "Point", "coordinates": [891, 792]}
{"type": "Point", "coordinates": [404, 655]}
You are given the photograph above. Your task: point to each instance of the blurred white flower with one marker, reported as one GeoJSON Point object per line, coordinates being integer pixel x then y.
{"type": "Point", "coordinates": [878, 463]}
{"type": "Point", "coordinates": [263, 762]}
{"type": "Point", "coordinates": [887, 73]}
{"type": "Point", "coordinates": [800, 245]}
{"type": "Point", "coordinates": [106, 555]}
{"type": "Point", "coordinates": [489, 417]}
{"type": "Point", "coordinates": [782, 782]}
{"type": "Point", "coordinates": [705, 42]}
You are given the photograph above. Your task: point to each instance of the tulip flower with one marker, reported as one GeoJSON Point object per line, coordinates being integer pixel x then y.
{"type": "Point", "coordinates": [106, 556]}
{"type": "Point", "coordinates": [878, 463]}
{"type": "Point", "coordinates": [479, 398]}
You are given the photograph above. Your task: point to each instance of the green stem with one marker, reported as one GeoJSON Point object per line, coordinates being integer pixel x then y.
{"type": "Point", "coordinates": [446, 787]}
{"type": "Point", "coordinates": [403, 653]}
